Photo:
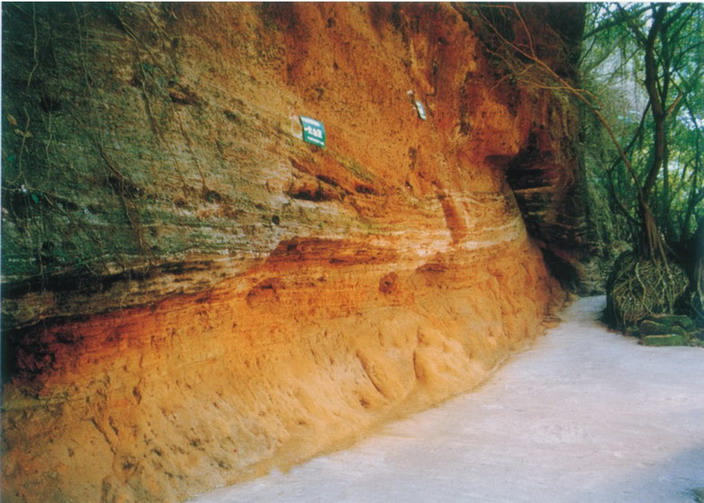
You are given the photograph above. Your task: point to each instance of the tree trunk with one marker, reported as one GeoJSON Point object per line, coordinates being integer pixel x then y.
{"type": "Point", "coordinates": [651, 76]}
{"type": "Point", "coordinates": [698, 272]}
{"type": "Point", "coordinates": [652, 239]}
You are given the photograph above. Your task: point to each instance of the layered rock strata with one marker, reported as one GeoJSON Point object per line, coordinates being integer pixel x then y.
{"type": "Point", "coordinates": [194, 295]}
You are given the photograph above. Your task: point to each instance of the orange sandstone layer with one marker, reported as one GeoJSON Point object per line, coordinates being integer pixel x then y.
{"type": "Point", "coordinates": [267, 300]}
{"type": "Point", "coordinates": [297, 357]}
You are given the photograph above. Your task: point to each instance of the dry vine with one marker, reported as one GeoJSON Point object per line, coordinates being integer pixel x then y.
{"type": "Point", "coordinates": [123, 181]}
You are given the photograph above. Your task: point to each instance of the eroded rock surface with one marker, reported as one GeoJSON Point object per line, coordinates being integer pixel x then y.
{"type": "Point", "coordinates": [193, 295]}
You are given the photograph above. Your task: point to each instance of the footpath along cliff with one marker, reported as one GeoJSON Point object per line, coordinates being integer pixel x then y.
{"type": "Point", "coordinates": [193, 295]}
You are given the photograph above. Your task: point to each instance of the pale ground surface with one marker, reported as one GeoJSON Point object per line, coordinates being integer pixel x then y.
{"type": "Point", "coordinates": [583, 416]}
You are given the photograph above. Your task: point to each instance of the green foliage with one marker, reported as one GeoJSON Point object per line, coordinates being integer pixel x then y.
{"type": "Point", "coordinates": [617, 40]}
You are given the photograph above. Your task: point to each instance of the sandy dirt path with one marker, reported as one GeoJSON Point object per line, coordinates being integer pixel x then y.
{"type": "Point", "coordinates": [584, 415]}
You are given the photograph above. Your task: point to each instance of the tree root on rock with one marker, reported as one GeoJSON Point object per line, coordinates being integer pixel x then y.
{"type": "Point", "coordinates": [641, 287]}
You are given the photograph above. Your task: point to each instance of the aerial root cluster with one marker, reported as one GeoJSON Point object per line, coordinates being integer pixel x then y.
{"type": "Point", "coordinates": [641, 287]}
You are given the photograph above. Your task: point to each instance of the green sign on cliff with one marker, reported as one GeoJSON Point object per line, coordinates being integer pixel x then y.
{"type": "Point", "coordinates": [313, 131]}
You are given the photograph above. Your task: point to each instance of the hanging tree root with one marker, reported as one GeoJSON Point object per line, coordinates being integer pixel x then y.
{"type": "Point", "coordinates": [641, 287]}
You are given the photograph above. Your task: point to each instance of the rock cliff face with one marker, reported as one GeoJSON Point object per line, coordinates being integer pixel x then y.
{"type": "Point", "coordinates": [193, 295]}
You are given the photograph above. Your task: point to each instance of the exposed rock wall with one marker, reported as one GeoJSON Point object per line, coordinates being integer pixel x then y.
{"type": "Point", "coordinates": [193, 295]}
